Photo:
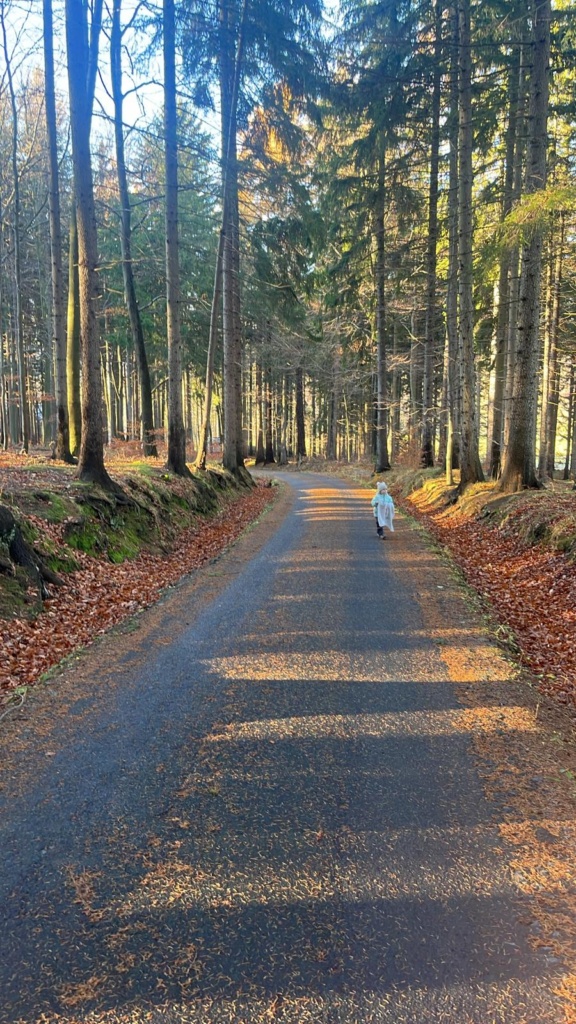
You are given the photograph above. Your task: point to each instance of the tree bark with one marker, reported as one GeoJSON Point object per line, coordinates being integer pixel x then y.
{"type": "Point", "coordinates": [514, 258]}
{"type": "Point", "coordinates": [551, 374]}
{"type": "Point", "coordinates": [520, 470]}
{"type": "Point", "coordinates": [396, 393]}
{"type": "Point", "coordinates": [231, 55]}
{"type": "Point", "coordinates": [268, 426]}
{"type": "Point", "coordinates": [4, 416]}
{"type": "Point", "coordinates": [300, 423]}
{"type": "Point", "coordinates": [225, 285]}
{"type": "Point", "coordinates": [382, 462]}
{"type": "Point", "coordinates": [470, 468]}
{"type": "Point", "coordinates": [82, 60]}
{"type": "Point", "coordinates": [570, 463]}
{"type": "Point", "coordinates": [57, 278]}
{"type": "Point", "coordinates": [496, 438]}
{"type": "Point", "coordinates": [427, 451]}
{"type": "Point", "coordinates": [452, 360]}
{"type": "Point", "coordinates": [146, 413]}
{"type": "Point", "coordinates": [73, 354]}
{"type": "Point", "coordinates": [176, 461]}
{"type": "Point", "coordinates": [333, 404]}
{"type": "Point", "coordinates": [200, 462]}
{"type": "Point", "coordinates": [18, 317]}
{"type": "Point", "coordinates": [260, 453]}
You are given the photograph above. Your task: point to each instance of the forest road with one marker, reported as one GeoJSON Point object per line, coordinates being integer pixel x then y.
{"type": "Point", "coordinates": [264, 807]}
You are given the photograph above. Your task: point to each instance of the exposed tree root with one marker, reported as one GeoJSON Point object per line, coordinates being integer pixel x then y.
{"type": "Point", "coordinates": [23, 555]}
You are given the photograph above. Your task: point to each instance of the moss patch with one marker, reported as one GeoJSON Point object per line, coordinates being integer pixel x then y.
{"type": "Point", "coordinates": [17, 599]}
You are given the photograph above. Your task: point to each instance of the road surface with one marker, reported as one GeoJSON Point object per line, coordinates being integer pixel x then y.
{"type": "Point", "coordinates": [264, 807]}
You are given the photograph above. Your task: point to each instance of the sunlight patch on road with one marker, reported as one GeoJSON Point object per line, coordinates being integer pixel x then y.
{"type": "Point", "coordinates": [327, 666]}
{"type": "Point", "coordinates": [342, 515]}
{"type": "Point", "coordinates": [473, 664]}
{"type": "Point", "coordinates": [317, 494]}
{"type": "Point", "coordinates": [310, 559]}
{"type": "Point", "coordinates": [403, 723]}
{"type": "Point", "coordinates": [316, 666]}
{"type": "Point", "coordinates": [462, 662]}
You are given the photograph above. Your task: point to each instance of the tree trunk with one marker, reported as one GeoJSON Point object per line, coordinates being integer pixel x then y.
{"type": "Point", "coordinates": [570, 463]}
{"type": "Point", "coordinates": [176, 461]}
{"type": "Point", "coordinates": [146, 414]}
{"type": "Point", "coordinates": [226, 275]}
{"type": "Point", "coordinates": [500, 362]}
{"type": "Point", "coordinates": [73, 353]}
{"type": "Point", "coordinates": [4, 421]}
{"type": "Point", "coordinates": [300, 424]}
{"type": "Point", "coordinates": [519, 470]}
{"type": "Point", "coordinates": [57, 281]}
{"type": "Point", "coordinates": [382, 460]}
{"type": "Point", "coordinates": [260, 453]}
{"type": "Point", "coordinates": [82, 57]}
{"type": "Point", "coordinates": [333, 409]}
{"type": "Point", "coordinates": [268, 425]}
{"type": "Point", "coordinates": [230, 72]}
{"type": "Point", "coordinates": [416, 377]}
{"type": "Point", "coordinates": [427, 451]}
{"type": "Point", "coordinates": [470, 468]}
{"type": "Point", "coordinates": [514, 258]}
{"type": "Point", "coordinates": [200, 462]}
{"type": "Point", "coordinates": [550, 375]}
{"type": "Point", "coordinates": [452, 342]}
{"type": "Point", "coordinates": [18, 317]}
{"type": "Point", "coordinates": [396, 393]}
{"type": "Point", "coordinates": [284, 400]}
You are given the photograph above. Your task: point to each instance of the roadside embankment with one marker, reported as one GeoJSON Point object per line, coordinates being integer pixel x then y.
{"type": "Point", "coordinates": [110, 558]}
{"type": "Point", "coordinates": [519, 552]}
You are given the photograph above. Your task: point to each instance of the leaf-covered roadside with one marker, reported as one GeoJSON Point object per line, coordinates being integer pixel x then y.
{"type": "Point", "coordinates": [100, 595]}
{"type": "Point", "coordinates": [531, 588]}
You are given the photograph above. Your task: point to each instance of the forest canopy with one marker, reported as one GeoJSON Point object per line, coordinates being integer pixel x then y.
{"type": "Point", "coordinates": [265, 230]}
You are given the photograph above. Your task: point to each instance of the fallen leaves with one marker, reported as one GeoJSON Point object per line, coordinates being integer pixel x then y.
{"type": "Point", "coordinates": [100, 595]}
{"type": "Point", "coordinates": [531, 588]}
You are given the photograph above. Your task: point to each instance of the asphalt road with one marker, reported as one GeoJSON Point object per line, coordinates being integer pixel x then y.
{"type": "Point", "coordinates": [271, 814]}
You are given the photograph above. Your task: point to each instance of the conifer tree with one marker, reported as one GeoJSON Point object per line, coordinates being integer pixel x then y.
{"type": "Point", "coordinates": [176, 460]}
{"type": "Point", "coordinates": [57, 278]}
{"type": "Point", "coordinates": [239, 43]}
{"type": "Point", "coordinates": [520, 464]}
{"type": "Point", "coordinates": [116, 41]}
{"type": "Point", "coordinates": [82, 42]}
{"type": "Point", "coordinates": [470, 468]}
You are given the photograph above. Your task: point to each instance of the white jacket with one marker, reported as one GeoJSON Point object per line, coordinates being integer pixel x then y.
{"type": "Point", "coordinates": [383, 510]}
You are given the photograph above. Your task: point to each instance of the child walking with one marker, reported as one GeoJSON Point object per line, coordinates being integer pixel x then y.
{"type": "Point", "coordinates": [383, 509]}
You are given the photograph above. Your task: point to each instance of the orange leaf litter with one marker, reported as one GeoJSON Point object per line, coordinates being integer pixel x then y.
{"type": "Point", "coordinates": [100, 595]}
{"type": "Point", "coordinates": [531, 589]}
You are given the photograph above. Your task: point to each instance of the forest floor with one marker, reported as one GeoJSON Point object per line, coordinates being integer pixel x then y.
{"type": "Point", "coordinates": [519, 553]}
{"type": "Point", "coordinates": [112, 561]}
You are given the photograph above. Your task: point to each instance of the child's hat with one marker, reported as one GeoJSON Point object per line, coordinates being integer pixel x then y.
{"type": "Point", "coordinates": [381, 486]}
